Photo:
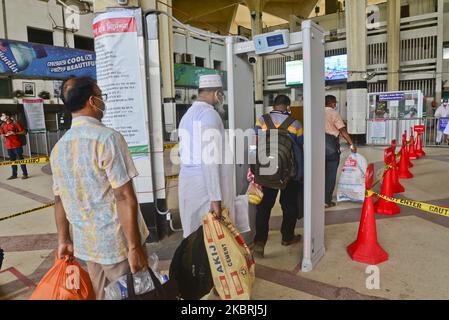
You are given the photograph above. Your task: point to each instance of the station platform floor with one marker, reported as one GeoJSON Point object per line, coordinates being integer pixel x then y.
{"type": "Point", "coordinates": [416, 242]}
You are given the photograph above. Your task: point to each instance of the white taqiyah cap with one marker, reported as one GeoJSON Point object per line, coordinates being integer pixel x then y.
{"type": "Point", "coordinates": [210, 81]}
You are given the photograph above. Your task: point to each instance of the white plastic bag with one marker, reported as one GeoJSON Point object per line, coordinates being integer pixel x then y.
{"type": "Point", "coordinates": [351, 186]}
{"type": "Point", "coordinates": [241, 218]}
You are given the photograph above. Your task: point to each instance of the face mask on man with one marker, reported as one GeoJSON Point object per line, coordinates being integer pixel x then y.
{"type": "Point", "coordinates": [219, 105]}
{"type": "Point", "coordinates": [103, 111]}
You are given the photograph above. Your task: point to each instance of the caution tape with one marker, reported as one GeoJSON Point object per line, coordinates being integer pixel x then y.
{"type": "Point", "coordinates": [430, 208]}
{"type": "Point", "coordinates": [28, 211]}
{"type": "Point", "coordinates": [26, 161]}
{"type": "Point", "coordinates": [388, 166]}
{"type": "Point", "coordinates": [173, 177]}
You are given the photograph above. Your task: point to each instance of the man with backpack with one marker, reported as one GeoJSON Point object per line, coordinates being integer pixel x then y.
{"type": "Point", "coordinates": [14, 133]}
{"type": "Point", "coordinates": [289, 169]}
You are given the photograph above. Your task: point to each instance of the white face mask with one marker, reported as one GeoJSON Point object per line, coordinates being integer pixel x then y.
{"type": "Point", "coordinates": [3, 118]}
{"type": "Point", "coordinates": [103, 112]}
{"type": "Point", "coordinates": [219, 105]}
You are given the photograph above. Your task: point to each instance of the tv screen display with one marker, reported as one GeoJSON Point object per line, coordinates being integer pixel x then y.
{"type": "Point", "coordinates": [336, 67]}
{"type": "Point", "coordinates": [294, 73]}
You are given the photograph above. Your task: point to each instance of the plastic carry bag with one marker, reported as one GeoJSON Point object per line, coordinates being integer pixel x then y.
{"type": "Point", "coordinates": [66, 280]}
{"type": "Point", "coordinates": [351, 186]}
{"type": "Point", "coordinates": [232, 265]}
{"type": "Point", "coordinates": [241, 218]}
{"type": "Point", "coordinates": [254, 192]}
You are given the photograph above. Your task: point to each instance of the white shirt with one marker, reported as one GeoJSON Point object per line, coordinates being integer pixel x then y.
{"type": "Point", "coordinates": [442, 112]}
{"type": "Point", "coordinates": [205, 176]}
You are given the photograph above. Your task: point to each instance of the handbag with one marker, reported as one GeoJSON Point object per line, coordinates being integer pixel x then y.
{"type": "Point", "coordinates": [167, 291]}
{"type": "Point", "coordinates": [332, 147]}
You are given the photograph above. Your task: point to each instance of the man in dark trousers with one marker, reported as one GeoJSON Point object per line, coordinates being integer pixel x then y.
{"type": "Point", "coordinates": [289, 196]}
{"type": "Point", "coordinates": [11, 130]}
{"type": "Point", "coordinates": [334, 127]}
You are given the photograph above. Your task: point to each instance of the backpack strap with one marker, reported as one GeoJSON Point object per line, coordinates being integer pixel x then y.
{"type": "Point", "coordinates": [268, 121]}
{"type": "Point", "coordinates": [287, 123]}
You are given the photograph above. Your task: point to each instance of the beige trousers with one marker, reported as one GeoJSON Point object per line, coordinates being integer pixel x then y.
{"type": "Point", "coordinates": [101, 275]}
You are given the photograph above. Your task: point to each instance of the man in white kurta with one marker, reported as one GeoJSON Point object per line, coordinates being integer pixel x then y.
{"type": "Point", "coordinates": [442, 113]}
{"type": "Point", "coordinates": [206, 178]}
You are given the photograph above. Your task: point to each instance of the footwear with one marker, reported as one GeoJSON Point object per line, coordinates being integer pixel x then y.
{"type": "Point", "coordinates": [297, 238]}
{"type": "Point", "coordinates": [12, 178]}
{"type": "Point", "coordinates": [330, 205]}
{"type": "Point", "coordinates": [24, 177]}
{"type": "Point", "coordinates": [257, 248]}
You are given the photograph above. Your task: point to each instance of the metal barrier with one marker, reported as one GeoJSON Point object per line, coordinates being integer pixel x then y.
{"type": "Point", "coordinates": [434, 137]}
{"type": "Point", "coordinates": [38, 144]}
{"type": "Point", "coordinates": [394, 128]}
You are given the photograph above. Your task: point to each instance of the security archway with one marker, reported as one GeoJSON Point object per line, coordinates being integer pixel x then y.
{"type": "Point", "coordinates": [239, 73]}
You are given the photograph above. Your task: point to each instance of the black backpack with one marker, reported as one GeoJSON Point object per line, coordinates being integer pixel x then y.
{"type": "Point", "coordinates": [190, 267]}
{"type": "Point", "coordinates": [286, 163]}
{"type": "Point", "coordinates": [23, 138]}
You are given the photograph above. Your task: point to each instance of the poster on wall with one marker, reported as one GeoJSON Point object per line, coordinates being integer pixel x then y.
{"type": "Point", "coordinates": [378, 128]}
{"type": "Point", "coordinates": [34, 113]}
{"type": "Point", "coordinates": [119, 76]}
{"type": "Point", "coordinates": [38, 60]}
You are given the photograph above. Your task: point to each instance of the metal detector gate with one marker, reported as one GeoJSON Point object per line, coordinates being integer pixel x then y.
{"type": "Point", "coordinates": [241, 116]}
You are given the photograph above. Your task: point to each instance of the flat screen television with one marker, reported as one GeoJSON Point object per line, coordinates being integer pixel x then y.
{"type": "Point", "coordinates": [336, 67]}
{"type": "Point", "coordinates": [294, 73]}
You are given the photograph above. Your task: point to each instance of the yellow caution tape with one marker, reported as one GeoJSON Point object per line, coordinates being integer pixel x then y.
{"type": "Point", "coordinates": [28, 211]}
{"type": "Point", "coordinates": [430, 208]}
{"type": "Point", "coordinates": [173, 177]}
{"type": "Point", "coordinates": [26, 161]}
{"type": "Point", "coordinates": [168, 146]}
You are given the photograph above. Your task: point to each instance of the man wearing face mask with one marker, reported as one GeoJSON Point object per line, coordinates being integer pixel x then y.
{"type": "Point", "coordinates": [205, 180]}
{"type": "Point", "coordinates": [92, 183]}
{"type": "Point", "coordinates": [12, 130]}
{"type": "Point", "coordinates": [442, 114]}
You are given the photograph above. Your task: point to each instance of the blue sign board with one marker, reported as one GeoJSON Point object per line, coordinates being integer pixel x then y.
{"type": "Point", "coordinates": [395, 96]}
{"type": "Point", "coordinates": [44, 61]}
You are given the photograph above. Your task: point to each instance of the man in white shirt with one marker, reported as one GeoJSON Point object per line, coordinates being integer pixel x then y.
{"type": "Point", "coordinates": [442, 114]}
{"type": "Point", "coordinates": [205, 181]}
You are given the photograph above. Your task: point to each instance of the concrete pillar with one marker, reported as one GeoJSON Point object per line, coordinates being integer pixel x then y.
{"type": "Point", "coordinates": [357, 50]}
{"type": "Point", "coordinates": [394, 41]}
{"type": "Point", "coordinates": [167, 72]}
{"type": "Point", "coordinates": [440, 39]}
{"type": "Point", "coordinates": [256, 9]}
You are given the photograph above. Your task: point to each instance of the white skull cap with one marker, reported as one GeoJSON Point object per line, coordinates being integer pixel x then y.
{"type": "Point", "coordinates": [210, 81]}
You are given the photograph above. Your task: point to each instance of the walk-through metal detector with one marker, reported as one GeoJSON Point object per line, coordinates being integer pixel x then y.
{"type": "Point", "coordinates": [242, 113]}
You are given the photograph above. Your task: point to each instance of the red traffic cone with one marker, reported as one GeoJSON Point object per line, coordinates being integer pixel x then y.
{"type": "Point", "coordinates": [404, 172]}
{"type": "Point", "coordinates": [405, 145]}
{"type": "Point", "coordinates": [411, 151]}
{"type": "Point", "coordinates": [419, 150]}
{"type": "Point", "coordinates": [397, 186]}
{"type": "Point", "coordinates": [383, 206]}
{"type": "Point", "coordinates": [366, 249]}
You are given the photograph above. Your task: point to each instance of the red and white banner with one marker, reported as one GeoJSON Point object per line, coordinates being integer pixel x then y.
{"type": "Point", "coordinates": [119, 75]}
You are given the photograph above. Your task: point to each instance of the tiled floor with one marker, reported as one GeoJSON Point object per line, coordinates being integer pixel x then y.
{"type": "Point", "coordinates": [415, 241]}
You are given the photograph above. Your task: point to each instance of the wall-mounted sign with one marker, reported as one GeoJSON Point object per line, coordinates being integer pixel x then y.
{"type": "Point", "coordinates": [44, 61]}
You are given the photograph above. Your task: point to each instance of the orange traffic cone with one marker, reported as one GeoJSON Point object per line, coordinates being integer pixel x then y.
{"type": "Point", "coordinates": [419, 150]}
{"type": "Point", "coordinates": [411, 151]}
{"type": "Point", "coordinates": [405, 145]}
{"type": "Point", "coordinates": [404, 172]}
{"type": "Point", "coordinates": [383, 206]}
{"type": "Point", "coordinates": [397, 186]}
{"type": "Point", "coordinates": [366, 249]}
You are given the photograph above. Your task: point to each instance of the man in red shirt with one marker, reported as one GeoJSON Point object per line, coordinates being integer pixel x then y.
{"type": "Point", "coordinates": [11, 131]}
